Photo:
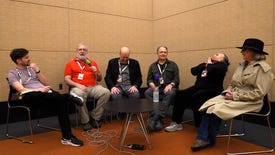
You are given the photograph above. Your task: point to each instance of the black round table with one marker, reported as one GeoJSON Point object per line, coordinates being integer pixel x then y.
{"type": "Point", "coordinates": [131, 107]}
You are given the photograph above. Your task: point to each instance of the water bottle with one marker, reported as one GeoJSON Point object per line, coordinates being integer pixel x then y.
{"type": "Point", "coordinates": [156, 95]}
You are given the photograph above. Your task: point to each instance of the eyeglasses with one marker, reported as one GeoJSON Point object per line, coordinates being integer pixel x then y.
{"type": "Point", "coordinates": [83, 49]}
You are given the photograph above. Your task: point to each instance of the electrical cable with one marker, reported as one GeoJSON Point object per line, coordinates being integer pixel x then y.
{"type": "Point", "coordinates": [96, 138]}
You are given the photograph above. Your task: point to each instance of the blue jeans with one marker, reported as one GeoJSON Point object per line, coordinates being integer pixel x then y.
{"type": "Point", "coordinates": [160, 108]}
{"type": "Point", "coordinates": [209, 128]}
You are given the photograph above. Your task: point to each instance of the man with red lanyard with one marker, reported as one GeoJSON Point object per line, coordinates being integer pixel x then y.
{"type": "Point", "coordinates": [82, 75]}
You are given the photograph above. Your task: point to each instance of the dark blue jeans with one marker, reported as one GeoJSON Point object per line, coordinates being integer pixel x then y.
{"type": "Point", "coordinates": [209, 128]}
{"type": "Point", "coordinates": [160, 108]}
{"type": "Point", "coordinates": [124, 93]}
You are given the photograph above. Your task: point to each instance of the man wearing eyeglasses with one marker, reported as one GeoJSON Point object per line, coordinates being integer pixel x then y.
{"type": "Point", "coordinates": [82, 74]}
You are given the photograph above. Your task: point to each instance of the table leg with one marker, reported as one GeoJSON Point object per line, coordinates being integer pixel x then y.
{"type": "Point", "coordinates": [124, 129]}
{"type": "Point", "coordinates": [144, 130]}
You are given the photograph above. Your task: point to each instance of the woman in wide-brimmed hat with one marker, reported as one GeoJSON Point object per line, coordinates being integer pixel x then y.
{"type": "Point", "coordinates": [250, 83]}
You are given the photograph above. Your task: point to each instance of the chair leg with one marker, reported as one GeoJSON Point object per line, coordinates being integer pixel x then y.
{"type": "Point", "coordinates": [229, 135]}
{"type": "Point", "coordinates": [38, 124]}
{"type": "Point", "coordinates": [270, 150]}
{"type": "Point", "coordinates": [234, 134]}
{"type": "Point", "coordinates": [271, 135]}
{"type": "Point", "coordinates": [29, 122]}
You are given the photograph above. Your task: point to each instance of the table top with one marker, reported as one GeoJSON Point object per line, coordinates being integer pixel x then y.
{"type": "Point", "coordinates": [130, 105]}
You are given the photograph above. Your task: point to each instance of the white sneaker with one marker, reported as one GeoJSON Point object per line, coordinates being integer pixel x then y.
{"type": "Point", "coordinates": [173, 127]}
{"type": "Point", "coordinates": [73, 141]}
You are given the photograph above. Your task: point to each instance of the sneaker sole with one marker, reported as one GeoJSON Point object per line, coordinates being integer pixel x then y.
{"type": "Point", "coordinates": [69, 143]}
{"type": "Point", "coordinates": [74, 95]}
{"type": "Point", "coordinates": [170, 130]}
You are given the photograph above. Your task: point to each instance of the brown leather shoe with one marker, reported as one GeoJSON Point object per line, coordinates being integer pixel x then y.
{"type": "Point", "coordinates": [199, 145]}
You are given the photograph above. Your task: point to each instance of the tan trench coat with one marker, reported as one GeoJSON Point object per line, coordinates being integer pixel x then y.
{"type": "Point", "coordinates": [248, 87]}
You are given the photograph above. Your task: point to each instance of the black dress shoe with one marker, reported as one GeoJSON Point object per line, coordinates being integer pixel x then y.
{"type": "Point", "coordinates": [199, 145]}
{"type": "Point", "coordinates": [159, 124]}
{"type": "Point", "coordinates": [87, 127]}
{"type": "Point", "coordinates": [94, 123]}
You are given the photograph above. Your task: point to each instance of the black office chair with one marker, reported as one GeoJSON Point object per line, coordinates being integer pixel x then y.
{"type": "Point", "coordinates": [14, 103]}
{"type": "Point", "coordinates": [265, 112]}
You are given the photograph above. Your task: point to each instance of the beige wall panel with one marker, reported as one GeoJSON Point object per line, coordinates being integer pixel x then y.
{"type": "Point", "coordinates": [164, 8]}
{"type": "Point", "coordinates": [6, 65]}
{"type": "Point", "coordinates": [141, 9]}
{"type": "Point", "coordinates": [60, 3]}
{"type": "Point", "coordinates": [52, 65]}
{"type": "Point", "coordinates": [33, 27]}
{"type": "Point", "coordinates": [113, 33]}
{"type": "Point", "coordinates": [40, 29]}
{"type": "Point", "coordinates": [270, 60]}
{"type": "Point", "coordinates": [103, 33]}
{"type": "Point", "coordinates": [192, 30]}
{"type": "Point", "coordinates": [218, 26]}
{"type": "Point", "coordinates": [81, 29]}
{"type": "Point", "coordinates": [145, 60]}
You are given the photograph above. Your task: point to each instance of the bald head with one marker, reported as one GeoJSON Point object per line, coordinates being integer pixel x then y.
{"type": "Point", "coordinates": [124, 55]}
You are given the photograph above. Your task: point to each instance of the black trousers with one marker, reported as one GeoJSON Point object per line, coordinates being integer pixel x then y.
{"type": "Point", "coordinates": [193, 98]}
{"type": "Point", "coordinates": [58, 103]}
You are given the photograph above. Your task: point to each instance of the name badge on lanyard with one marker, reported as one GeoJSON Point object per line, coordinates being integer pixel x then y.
{"type": "Point", "coordinates": [80, 75]}
{"type": "Point", "coordinates": [204, 73]}
{"type": "Point", "coordinates": [161, 80]}
{"type": "Point", "coordinates": [119, 78]}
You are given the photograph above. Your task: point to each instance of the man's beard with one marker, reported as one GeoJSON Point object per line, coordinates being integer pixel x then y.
{"type": "Point", "coordinates": [26, 63]}
{"type": "Point", "coordinates": [82, 57]}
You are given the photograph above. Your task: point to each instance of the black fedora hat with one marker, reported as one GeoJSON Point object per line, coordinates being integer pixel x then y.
{"type": "Point", "coordinates": [254, 44]}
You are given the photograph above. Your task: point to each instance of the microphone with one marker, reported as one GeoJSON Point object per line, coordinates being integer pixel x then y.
{"type": "Point", "coordinates": [88, 62]}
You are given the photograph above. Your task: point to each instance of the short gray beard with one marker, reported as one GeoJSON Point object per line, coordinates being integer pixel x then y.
{"type": "Point", "coordinates": [82, 57]}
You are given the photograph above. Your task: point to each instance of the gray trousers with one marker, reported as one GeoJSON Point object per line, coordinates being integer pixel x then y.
{"type": "Point", "coordinates": [97, 92]}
